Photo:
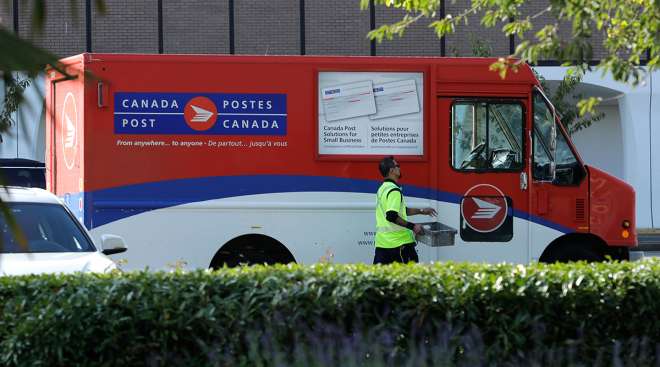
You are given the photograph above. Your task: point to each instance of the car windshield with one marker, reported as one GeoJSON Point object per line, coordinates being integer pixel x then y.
{"type": "Point", "coordinates": [46, 227]}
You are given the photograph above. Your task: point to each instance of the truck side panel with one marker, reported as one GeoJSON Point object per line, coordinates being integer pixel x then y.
{"type": "Point", "coordinates": [184, 154]}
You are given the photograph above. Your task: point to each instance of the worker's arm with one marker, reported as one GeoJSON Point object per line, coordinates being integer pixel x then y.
{"type": "Point", "coordinates": [392, 202]}
{"type": "Point", "coordinates": [425, 211]}
{"type": "Point", "coordinates": [394, 217]}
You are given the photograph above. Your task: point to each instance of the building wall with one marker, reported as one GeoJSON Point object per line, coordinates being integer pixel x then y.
{"type": "Point", "coordinates": [63, 32]}
{"type": "Point", "coordinates": [126, 26]}
{"type": "Point", "coordinates": [196, 26]}
{"type": "Point", "coordinates": [6, 17]}
{"type": "Point", "coordinates": [418, 40]}
{"type": "Point", "coordinates": [336, 28]}
{"type": "Point", "coordinates": [538, 9]}
{"type": "Point", "coordinates": [604, 133]}
{"type": "Point", "coordinates": [260, 27]}
{"type": "Point", "coordinates": [474, 36]}
{"type": "Point", "coordinates": [267, 27]}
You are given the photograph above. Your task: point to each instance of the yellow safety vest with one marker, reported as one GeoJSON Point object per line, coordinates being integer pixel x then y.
{"type": "Point", "coordinates": [390, 235]}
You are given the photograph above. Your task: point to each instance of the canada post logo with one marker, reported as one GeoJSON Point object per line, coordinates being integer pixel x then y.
{"type": "Point", "coordinates": [69, 130]}
{"type": "Point", "coordinates": [484, 208]}
{"type": "Point", "coordinates": [200, 114]}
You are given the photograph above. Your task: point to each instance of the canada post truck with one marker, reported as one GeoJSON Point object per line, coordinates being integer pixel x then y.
{"type": "Point", "coordinates": [214, 160]}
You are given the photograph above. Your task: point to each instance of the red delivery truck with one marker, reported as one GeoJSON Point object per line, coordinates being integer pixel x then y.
{"type": "Point", "coordinates": [214, 160]}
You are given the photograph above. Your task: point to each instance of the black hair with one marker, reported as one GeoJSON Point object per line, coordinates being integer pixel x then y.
{"type": "Point", "coordinates": [386, 164]}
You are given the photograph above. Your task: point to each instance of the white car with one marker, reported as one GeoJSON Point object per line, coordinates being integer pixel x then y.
{"type": "Point", "coordinates": [55, 241]}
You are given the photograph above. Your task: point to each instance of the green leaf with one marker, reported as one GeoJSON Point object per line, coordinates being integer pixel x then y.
{"type": "Point", "coordinates": [588, 105]}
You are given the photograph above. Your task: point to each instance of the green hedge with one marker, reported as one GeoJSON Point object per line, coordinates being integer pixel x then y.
{"type": "Point", "coordinates": [327, 314]}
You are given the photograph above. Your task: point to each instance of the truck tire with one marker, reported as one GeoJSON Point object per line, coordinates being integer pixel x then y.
{"type": "Point", "coordinates": [573, 251]}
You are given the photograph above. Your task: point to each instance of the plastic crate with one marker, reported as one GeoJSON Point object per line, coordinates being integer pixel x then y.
{"type": "Point", "coordinates": [437, 234]}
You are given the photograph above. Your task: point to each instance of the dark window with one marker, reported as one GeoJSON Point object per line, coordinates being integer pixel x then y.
{"type": "Point", "coordinates": [23, 173]}
{"type": "Point", "coordinates": [24, 177]}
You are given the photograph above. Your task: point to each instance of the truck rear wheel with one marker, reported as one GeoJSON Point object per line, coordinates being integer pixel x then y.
{"type": "Point", "coordinates": [251, 249]}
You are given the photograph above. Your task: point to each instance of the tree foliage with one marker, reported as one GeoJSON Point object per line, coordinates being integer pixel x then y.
{"type": "Point", "coordinates": [630, 28]}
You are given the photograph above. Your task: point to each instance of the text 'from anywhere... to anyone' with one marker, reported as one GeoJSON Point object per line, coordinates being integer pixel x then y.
{"type": "Point", "coordinates": [140, 143]}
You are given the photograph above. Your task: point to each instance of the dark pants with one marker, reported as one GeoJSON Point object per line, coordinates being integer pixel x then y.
{"type": "Point", "coordinates": [402, 254]}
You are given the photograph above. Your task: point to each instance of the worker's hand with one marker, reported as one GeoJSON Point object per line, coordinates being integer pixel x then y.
{"type": "Point", "coordinates": [429, 211]}
{"type": "Point", "coordinates": [418, 229]}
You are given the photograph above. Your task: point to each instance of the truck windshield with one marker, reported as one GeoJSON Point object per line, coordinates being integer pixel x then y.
{"type": "Point", "coordinates": [568, 169]}
{"type": "Point", "coordinates": [543, 139]}
{"type": "Point", "coordinates": [47, 228]}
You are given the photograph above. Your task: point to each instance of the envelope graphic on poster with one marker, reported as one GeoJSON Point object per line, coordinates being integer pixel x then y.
{"type": "Point", "coordinates": [395, 99]}
{"type": "Point", "coordinates": [348, 100]}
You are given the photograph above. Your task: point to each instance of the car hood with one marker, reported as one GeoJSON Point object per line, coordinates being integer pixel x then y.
{"type": "Point", "coordinates": [46, 263]}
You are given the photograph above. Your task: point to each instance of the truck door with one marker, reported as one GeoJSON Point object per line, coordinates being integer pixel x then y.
{"type": "Point", "coordinates": [485, 176]}
{"type": "Point", "coordinates": [558, 184]}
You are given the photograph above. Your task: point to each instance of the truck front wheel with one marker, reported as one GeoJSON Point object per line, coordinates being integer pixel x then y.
{"type": "Point", "coordinates": [574, 248]}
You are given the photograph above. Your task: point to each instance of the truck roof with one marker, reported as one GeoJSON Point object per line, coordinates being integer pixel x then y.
{"type": "Point", "coordinates": [450, 69]}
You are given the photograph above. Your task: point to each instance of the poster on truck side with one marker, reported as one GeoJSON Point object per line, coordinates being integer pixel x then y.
{"type": "Point", "coordinates": [371, 113]}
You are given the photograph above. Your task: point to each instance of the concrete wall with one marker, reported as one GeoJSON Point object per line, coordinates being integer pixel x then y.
{"type": "Point", "coordinates": [25, 138]}
{"type": "Point", "coordinates": [601, 145]}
